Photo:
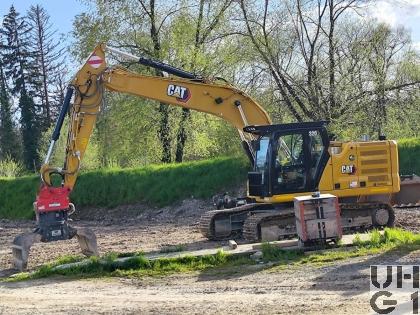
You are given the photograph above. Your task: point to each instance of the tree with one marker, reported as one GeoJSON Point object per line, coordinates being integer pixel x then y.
{"type": "Point", "coordinates": [203, 30]}
{"type": "Point", "coordinates": [385, 49]}
{"type": "Point", "coordinates": [301, 59]}
{"type": "Point", "coordinates": [317, 54]}
{"type": "Point", "coordinates": [30, 131]}
{"type": "Point", "coordinates": [9, 142]}
{"type": "Point", "coordinates": [172, 32]}
{"type": "Point", "coordinates": [136, 26]}
{"type": "Point", "coordinates": [295, 55]}
{"type": "Point", "coordinates": [275, 49]}
{"type": "Point", "coordinates": [58, 87]}
{"type": "Point", "coordinates": [20, 67]}
{"type": "Point", "coordinates": [48, 58]}
{"type": "Point", "coordinates": [164, 127]}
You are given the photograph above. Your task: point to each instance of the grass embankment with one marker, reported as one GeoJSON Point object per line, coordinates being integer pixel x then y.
{"type": "Point", "coordinates": [138, 265]}
{"type": "Point", "coordinates": [159, 185]}
{"type": "Point", "coordinates": [409, 153]}
{"type": "Point", "coordinates": [155, 184]}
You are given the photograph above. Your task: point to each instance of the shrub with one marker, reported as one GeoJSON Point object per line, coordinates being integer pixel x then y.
{"type": "Point", "coordinates": [409, 152]}
{"type": "Point", "coordinates": [10, 168]}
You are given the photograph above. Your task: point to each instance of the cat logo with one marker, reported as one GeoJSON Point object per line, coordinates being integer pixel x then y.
{"type": "Point", "coordinates": [348, 169]}
{"type": "Point", "coordinates": [181, 93]}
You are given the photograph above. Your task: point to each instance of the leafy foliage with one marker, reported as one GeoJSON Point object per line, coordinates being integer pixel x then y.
{"type": "Point", "coordinates": [18, 61]}
{"type": "Point", "coordinates": [30, 131]}
{"type": "Point", "coordinates": [409, 152]}
{"type": "Point", "coordinates": [10, 168]}
{"type": "Point", "coordinates": [291, 57]}
{"type": "Point", "coordinates": [27, 57]}
{"type": "Point", "coordinates": [9, 141]}
{"type": "Point", "coordinates": [17, 55]}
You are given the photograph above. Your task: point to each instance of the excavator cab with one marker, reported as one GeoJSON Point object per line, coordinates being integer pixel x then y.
{"type": "Point", "coordinates": [289, 158]}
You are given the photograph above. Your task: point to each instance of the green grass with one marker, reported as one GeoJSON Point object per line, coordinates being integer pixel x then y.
{"type": "Point", "coordinates": [272, 253]}
{"type": "Point", "coordinates": [409, 152]}
{"type": "Point", "coordinates": [17, 196]}
{"type": "Point", "coordinates": [135, 266]}
{"type": "Point", "coordinates": [391, 236]}
{"type": "Point", "coordinates": [159, 185]}
{"type": "Point", "coordinates": [274, 258]}
{"type": "Point", "coordinates": [391, 239]}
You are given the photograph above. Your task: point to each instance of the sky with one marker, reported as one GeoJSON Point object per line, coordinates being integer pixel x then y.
{"type": "Point", "coordinates": [400, 12]}
{"type": "Point", "coordinates": [62, 12]}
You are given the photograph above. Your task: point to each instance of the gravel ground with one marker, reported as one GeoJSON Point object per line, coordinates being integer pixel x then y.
{"type": "Point", "coordinates": [339, 289]}
{"type": "Point", "coordinates": [124, 229]}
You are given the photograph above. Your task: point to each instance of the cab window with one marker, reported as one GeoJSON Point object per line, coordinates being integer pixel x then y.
{"type": "Point", "coordinates": [261, 155]}
{"type": "Point", "coordinates": [290, 163]}
{"type": "Point", "coordinates": [316, 149]}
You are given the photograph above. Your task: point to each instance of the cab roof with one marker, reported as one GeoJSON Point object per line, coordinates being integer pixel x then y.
{"type": "Point", "coordinates": [268, 129]}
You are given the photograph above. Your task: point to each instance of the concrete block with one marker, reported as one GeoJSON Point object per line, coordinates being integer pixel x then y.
{"type": "Point", "coordinates": [233, 244]}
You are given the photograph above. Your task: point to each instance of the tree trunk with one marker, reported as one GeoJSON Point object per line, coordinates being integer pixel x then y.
{"type": "Point", "coordinates": [45, 100]}
{"type": "Point", "coordinates": [331, 58]}
{"type": "Point", "coordinates": [181, 137]}
{"type": "Point", "coordinates": [164, 132]}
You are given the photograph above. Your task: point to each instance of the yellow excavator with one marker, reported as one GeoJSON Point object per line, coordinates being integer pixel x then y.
{"type": "Point", "coordinates": [288, 160]}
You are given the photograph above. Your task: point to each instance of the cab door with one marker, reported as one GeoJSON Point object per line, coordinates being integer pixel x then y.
{"type": "Point", "coordinates": [299, 157]}
{"type": "Point", "coordinates": [289, 164]}
{"type": "Point", "coordinates": [259, 184]}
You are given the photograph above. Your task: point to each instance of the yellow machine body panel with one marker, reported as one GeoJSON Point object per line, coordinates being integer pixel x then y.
{"type": "Point", "coordinates": [355, 169]}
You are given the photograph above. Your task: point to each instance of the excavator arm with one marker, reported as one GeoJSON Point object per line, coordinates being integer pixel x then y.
{"type": "Point", "coordinates": [86, 89]}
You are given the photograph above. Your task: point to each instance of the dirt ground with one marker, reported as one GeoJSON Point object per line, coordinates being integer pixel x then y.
{"type": "Point", "coordinates": [337, 289]}
{"type": "Point", "coordinates": [123, 229]}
